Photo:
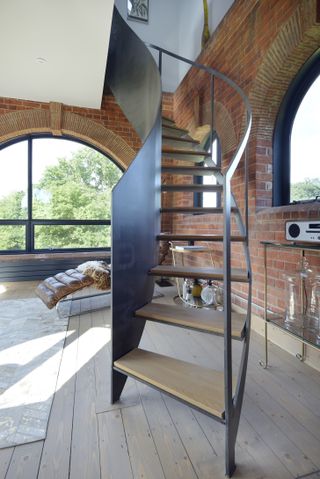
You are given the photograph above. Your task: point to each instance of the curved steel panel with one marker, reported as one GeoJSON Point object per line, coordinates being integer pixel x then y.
{"type": "Point", "coordinates": [133, 77]}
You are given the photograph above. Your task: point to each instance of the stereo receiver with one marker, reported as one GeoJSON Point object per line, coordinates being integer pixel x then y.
{"type": "Point", "coordinates": [303, 231]}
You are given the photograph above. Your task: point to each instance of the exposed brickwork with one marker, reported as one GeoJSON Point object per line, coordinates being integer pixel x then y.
{"type": "Point", "coordinates": [106, 128]}
{"type": "Point", "coordinates": [261, 45]}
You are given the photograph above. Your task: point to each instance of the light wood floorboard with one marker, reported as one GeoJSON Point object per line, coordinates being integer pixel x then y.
{"type": "Point", "coordinates": [5, 458]}
{"type": "Point", "coordinates": [150, 435]}
{"type": "Point", "coordinates": [24, 461]}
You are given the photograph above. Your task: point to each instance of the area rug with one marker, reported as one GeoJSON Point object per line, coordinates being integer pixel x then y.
{"type": "Point", "coordinates": [31, 344]}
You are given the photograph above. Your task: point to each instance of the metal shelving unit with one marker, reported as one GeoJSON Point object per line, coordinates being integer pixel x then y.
{"type": "Point", "coordinates": [306, 337]}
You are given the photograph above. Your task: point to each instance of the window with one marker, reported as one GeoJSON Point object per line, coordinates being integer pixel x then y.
{"type": "Point", "coordinates": [296, 168]}
{"type": "Point", "coordinates": [55, 196]}
{"type": "Point", "coordinates": [209, 199]}
{"type": "Point", "coordinates": [304, 148]}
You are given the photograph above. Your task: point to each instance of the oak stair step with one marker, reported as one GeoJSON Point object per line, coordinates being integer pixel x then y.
{"type": "Point", "coordinates": [185, 154]}
{"type": "Point", "coordinates": [167, 121]}
{"type": "Point", "coordinates": [197, 237]}
{"type": "Point", "coordinates": [171, 140]}
{"type": "Point", "coordinates": [191, 170]}
{"type": "Point", "coordinates": [173, 130]}
{"type": "Point", "coordinates": [199, 387]}
{"type": "Point", "coordinates": [204, 320]}
{"type": "Point", "coordinates": [196, 210]}
{"type": "Point", "coordinates": [237, 275]}
{"type": "Point", "coordinates": [192, 187]}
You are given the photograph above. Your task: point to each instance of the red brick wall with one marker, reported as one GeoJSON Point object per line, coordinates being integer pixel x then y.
{"type": "Point", "coordinates": [110, 115]}
{"type": "Point", "coordinates": [261, 45]}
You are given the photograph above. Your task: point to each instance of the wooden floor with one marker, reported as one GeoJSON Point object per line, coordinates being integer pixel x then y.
{"type": "Point", "coordinates": [151, 436]}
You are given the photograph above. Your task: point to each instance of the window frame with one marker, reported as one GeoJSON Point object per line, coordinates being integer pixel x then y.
{"type": "Point", "coordinates": [283, 128]}
{"type": "Point", "coordinates": [30, 223]}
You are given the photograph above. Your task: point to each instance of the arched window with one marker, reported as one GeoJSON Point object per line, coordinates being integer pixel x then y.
{"type": "Point", "coordinates": [296, 165]}
{"type": "Point", "coordinates": [55, 195]}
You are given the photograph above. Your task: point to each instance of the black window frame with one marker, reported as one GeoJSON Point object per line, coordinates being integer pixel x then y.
{"type": "Point", "coordinates": [283, 128]}
{"type": "Point", "coordinates": [30, 223]}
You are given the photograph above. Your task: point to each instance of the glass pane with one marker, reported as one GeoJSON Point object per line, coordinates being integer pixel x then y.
{"type": "Point", "coordinates": [210, 199]}
{"type": "Point", "coordinates": [71, 181]}
{"type": "Point", "coordinates": [305, 177]}
{"type": "Point", "coordinates": [12, 237]}
{"type": "Point", "coordinates": [14, 181]}
{"type": "Point", "coordinates": [62, 236]}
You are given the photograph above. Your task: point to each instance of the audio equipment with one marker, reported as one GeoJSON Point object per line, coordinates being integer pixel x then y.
{"type": "Point", "coordinates": [303, 231]}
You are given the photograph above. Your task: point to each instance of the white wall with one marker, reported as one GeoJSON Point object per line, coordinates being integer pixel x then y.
{"type": "Point", "coordinates": [176, 25]}
{"type": "Point", "coordinates": [161, 30]}
{"type": "Point", "coordinates": [191, 26]}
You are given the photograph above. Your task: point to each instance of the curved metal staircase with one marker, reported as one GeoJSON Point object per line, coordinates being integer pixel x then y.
{"type": "Point", "coordinates": [134, 80]}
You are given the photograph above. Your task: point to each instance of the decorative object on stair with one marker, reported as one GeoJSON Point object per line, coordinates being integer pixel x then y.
{"type": "Point", "coordinates": [136, 233]}
{"type": "Point", "coordinates": [205, 32]}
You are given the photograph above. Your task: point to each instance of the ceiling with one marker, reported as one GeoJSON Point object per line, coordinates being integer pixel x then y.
{"type": "Point", "coordinates": [54, 50]}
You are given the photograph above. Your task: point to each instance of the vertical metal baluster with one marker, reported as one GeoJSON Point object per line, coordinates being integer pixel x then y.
{"type": "Point", "coordinates": [212, 114]}
{"type": "Point", "coordinates": [160, 62]}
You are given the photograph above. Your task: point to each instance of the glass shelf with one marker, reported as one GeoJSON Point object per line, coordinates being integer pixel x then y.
{"type": "Point", "coordinates": [307, 335]}
{"type": "Point", "coordinates": [303, 246]}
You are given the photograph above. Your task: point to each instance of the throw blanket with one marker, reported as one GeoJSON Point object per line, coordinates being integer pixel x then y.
{"type": "Point", "coordinates": [99, 271]}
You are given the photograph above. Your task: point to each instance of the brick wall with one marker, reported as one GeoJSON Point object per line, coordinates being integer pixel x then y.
{"type": "Point", "coordinates": [261, 45]}
{"type": "Point", "coordinates": [110, 115]}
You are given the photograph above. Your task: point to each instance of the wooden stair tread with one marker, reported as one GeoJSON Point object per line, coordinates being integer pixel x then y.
{"type": "Point", "coordinates": [167, 119]}
{"type": "Point", "coordinates": [206, 320]}
{"type": "Point", "coordinates": [184, 151]}
{"type": "Point", "coordinates": [200, 387]}
{"type": "Point", "coordinates": [238, 275]}
{"type": "Point", "coordinates": [192, 187]}
{"type": "Point", "coordinates": [191, 170]}
{"type": "Point", "coordinates": [196, 209]}
{"type": "Point", "coordinates": [179, 140]}
{"type": "Point", "coordinates": [197, 237]}
{"type": "Point", "coordinates": [174, 129]}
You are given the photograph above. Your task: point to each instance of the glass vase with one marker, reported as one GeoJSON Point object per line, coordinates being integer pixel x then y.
{"type": "Point", "coordinates": [293, 317]}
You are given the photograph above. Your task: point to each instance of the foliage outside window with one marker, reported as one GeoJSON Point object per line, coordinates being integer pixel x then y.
{"type": "Point", "coordinates": [55, 195]}
{"type": "Point", "coordinates": [305, 160]}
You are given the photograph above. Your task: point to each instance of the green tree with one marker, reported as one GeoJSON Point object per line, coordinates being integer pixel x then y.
{"type": "Point", "coordinates": [305, 190]}
{"type": "Point", "coordinates": [12, 237]}
{"type": "Point", "coordinates": [78, 188]}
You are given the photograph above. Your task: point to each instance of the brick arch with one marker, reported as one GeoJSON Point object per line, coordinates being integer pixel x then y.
{"type": "Point", "coordinates": [58, 122]}
{"type": "Point", "coordinates": [296, 41]}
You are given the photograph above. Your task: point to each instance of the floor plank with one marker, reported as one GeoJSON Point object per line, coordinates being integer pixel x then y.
{"type": "Point", "coordinates": [85, 460]}
{"type": "Point", "coordinates": [25, 461]}
{"type": "Point", "coordinates": [144, 457]}
{"type": "Point", "coordinates": [56, 451]}
{"type": "Point", "coordinates": [5, 458]}
{"type": "Point", "coordinates": [173, 456]}
{"type": "Point", "coordinates": [114, 455]}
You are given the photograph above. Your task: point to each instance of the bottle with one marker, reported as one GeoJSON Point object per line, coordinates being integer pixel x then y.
{"type": "Point", "coordinates": [292, 316]}
{"type": "Point", "coordinates": [208, 294]}
{"type": "Point", "coordinates": [196, 289]}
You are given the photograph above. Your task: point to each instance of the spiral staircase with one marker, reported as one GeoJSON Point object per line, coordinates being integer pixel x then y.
{"type": "Point", "coordinates": [133, 78]}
